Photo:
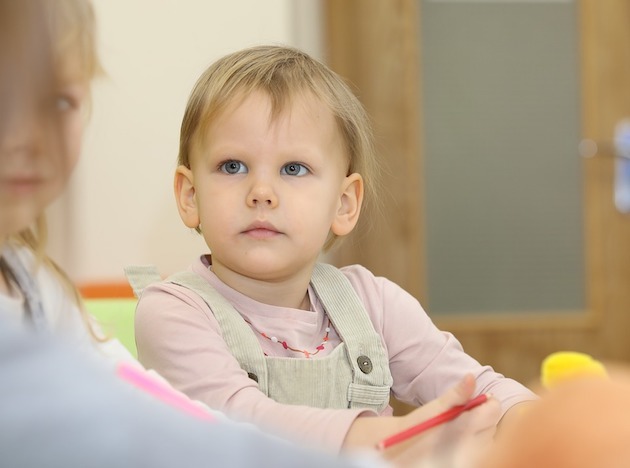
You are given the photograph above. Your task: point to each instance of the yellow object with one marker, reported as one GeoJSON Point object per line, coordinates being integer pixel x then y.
{"type": "Point", "coordinates": [565, 365]}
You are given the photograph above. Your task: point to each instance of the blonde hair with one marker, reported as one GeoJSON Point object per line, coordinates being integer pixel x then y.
{"type": "Point", "coordinates": [282, 73]}
{"type": "Point", "coordinates": [64, 32]}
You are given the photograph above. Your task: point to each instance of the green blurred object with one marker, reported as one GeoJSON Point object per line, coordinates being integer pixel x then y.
{"type": "Point", "coordinates": [116, 318]}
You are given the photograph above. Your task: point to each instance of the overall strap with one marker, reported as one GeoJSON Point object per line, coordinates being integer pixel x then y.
{"type": "Point", "coordinates": [237, 334]}
{"type": "Point", "coordinates": [372, 379]}
{"type": "Point", "coordinates": [141, 276]}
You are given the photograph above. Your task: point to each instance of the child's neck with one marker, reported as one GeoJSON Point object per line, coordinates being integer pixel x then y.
{"type": "Point", "coordinates": [291, 292]}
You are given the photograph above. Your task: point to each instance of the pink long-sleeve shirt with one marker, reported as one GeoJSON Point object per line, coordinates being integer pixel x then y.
{"type": "Point", "coordinates": [178, 336]}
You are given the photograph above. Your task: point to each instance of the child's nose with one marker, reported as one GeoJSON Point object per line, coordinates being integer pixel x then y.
{"type": "Point", "coordinates": [21, 134]}
{"type": "Point", "coordinates": [262, 194]}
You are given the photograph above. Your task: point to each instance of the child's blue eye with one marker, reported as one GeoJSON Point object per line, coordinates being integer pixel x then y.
{"type": "Point", "coordinates": [233, 167]}
{"type": "Point", "coordinates": [294, 169]}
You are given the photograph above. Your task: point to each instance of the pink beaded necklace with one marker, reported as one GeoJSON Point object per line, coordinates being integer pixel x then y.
{"type": "Point", "coordinates": [284, 344]}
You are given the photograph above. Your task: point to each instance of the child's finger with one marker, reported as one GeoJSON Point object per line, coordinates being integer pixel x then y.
{"type": "Point", "coordinates": [460, 393]}
{"type": "Point", "coordinates": [455, 396]}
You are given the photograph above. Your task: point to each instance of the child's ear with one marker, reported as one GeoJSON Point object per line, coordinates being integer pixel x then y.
{"type": "Point", "coordinates": [349, 205]}
{"type": "Point", "coordinates": [185, 197]}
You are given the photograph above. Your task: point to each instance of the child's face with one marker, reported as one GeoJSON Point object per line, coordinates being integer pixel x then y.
{"type": "Point", "coordinates": [39, 147]}
{"type": "Point", "coordinates": [267, 193]}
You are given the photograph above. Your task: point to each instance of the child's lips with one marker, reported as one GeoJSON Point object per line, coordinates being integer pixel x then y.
{"type": "Point", "coordinates": [261, 230]}
{"type": "Point", "coordinates": [20, 184]}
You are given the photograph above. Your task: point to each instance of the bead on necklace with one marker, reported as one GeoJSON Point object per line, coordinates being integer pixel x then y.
{"type": "Point", "coordinates": [284, 344]}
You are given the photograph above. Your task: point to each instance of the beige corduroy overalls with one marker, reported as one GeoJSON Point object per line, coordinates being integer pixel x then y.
{"type": "Point", "coordinates": [355, 375]}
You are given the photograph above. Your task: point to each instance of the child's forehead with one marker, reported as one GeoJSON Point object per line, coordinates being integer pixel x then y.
{"type": "Point", "coordinates": [304, 107]}
{"type": "Point", "coordinates": [278, 106]}
{"type": "Point", "coordinates": [72, 61]}
{"type": "Point", "coordinates": [70, 70]}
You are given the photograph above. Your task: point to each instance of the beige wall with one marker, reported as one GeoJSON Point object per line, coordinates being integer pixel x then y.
{"type": "Point", "coordinates": [120, 209]}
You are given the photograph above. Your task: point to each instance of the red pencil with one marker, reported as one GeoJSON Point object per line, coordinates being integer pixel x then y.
{"type": "Point", "coordinates": [441, 418]}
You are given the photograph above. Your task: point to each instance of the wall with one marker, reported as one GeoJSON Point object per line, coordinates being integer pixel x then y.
{"type": "Point", "coordinates": [120, 208]}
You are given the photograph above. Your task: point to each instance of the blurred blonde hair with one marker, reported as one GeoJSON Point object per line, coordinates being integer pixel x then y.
{"type": "Point", "coordinates": [283, 73]}
{"type": "Point", "coordinates": [64, 33]}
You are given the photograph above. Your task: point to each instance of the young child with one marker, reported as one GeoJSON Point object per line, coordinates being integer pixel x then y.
{"type": "Point", "coordinates": [44, 99]}
{"type": "Point", "coordinates": [275, 160]}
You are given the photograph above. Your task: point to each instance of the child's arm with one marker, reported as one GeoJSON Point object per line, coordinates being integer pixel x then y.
{"type": "Point", "coordinates": [483, 419]}
{"type": "Point", "coordinates": [425, 361]}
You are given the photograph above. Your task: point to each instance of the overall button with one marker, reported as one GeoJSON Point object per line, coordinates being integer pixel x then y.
{"type": "Point", "coordinates": [365, 364]}
{"type": "Point", "coordinates": [252, 376]}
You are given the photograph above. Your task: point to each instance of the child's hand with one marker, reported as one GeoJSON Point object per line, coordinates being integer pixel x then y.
{"type": "Point", "coordinates": [458, 443]}
{"type": "Point", "coordinates": [455, 443]}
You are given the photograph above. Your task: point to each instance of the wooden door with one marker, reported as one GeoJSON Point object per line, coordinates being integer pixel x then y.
{"type": "Point", "coordinates": [374, 44]}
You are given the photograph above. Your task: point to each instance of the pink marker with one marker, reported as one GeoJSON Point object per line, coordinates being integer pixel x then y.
{"type": "Point", "coordinates": [141, 379]}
